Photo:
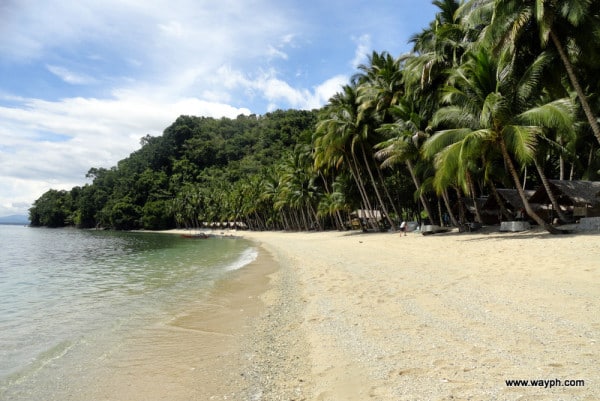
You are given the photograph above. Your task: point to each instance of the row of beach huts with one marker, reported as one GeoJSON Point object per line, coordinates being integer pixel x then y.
{"type": "Point", "coordinates": [579, 203]}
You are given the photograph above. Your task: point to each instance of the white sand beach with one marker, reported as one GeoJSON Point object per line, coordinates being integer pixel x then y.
{"type": "Point", "coordinates": [354, 316]}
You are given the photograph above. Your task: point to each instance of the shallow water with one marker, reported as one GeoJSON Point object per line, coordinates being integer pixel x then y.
{"type": "Point", "coordinates": [72, 300]}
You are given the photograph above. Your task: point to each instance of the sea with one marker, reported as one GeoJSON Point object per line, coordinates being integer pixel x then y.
{"type": "Point", "coordinates": [70, 299]}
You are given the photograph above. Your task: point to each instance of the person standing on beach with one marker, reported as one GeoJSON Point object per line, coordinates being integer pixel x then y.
{"type": "Point", "coordinates": [403, 227]}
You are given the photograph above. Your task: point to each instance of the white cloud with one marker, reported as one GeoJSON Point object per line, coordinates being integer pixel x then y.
{"type": "Point", "coordinates": [172, 28]}
{"type": "Point", "coordinates": [327, 89]}
{"type": "Point", "coordinates": [276, 53]}
{"type": "Point", "coordinates": [279, 93]}
{"type": "Point", "coordinates": [95, 132]}
{"type": "Point", "coordinates": [70, 77]}
{"type": "Point", "coordinates": [363, 48]}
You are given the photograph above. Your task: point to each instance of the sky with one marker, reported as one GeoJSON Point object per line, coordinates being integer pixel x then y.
{"type": "Point", "coordinates": [81, 82]}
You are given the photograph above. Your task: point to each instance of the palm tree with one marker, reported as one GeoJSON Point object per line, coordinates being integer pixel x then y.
{"type": "Point", "coordinates": [297, 187]}
{"type": "Point", "coordinates": [403, 146]}
{"type": "Point", "coordinates": [437, 49]}
{"type": "Point", "coordinates": [380, 88]}
{"type": "Point", "coordinates": [340, 140]}
{"type": "Point", "coordinates": [488, 103]}
{"type": "Point", "coordinates": [556, 22]}
{"type": "Point", "coordinates": [557, 116]}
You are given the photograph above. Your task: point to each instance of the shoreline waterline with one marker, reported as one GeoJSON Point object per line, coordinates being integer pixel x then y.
{"type": "Point", "coordinates": [200, 352]}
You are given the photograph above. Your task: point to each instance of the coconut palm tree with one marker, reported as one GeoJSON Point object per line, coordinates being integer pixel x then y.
{"type": "Point", "coordinates": [557, 22]}
{"type": "Point", "coordinates": [403, 146]}
{"type": "Point", "coordinates": [490, 104]}
{"type": "Point", "coordinates": [342, 139]}
{"type": "Point", "coordinates": [380, 86]}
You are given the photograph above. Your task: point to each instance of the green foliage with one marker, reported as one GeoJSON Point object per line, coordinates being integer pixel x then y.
{"type": "Point", "coordinates": [51, 209]}
{"type": "Point", "coordinates": [190, 174]}
{"type": "Point", "coordinates": [125, 215]}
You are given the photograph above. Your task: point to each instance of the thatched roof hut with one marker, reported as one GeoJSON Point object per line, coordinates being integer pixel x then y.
{"type": "Point", "coordinates": [512, 203]}
{"type": "Point", "coordinates": [367, 214]}
{"type": "Point", "coordinates": [579, 197]}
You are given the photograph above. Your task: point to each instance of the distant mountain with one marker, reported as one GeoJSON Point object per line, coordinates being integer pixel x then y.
{"type": "Point", "coordinates": [14, 219]}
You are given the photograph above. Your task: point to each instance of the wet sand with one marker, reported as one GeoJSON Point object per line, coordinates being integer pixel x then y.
{"type": "Point", "coordinates": [202, 353]}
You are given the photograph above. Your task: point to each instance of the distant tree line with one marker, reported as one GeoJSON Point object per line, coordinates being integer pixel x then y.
{"type": "Point", "coordinates": [495, 93]}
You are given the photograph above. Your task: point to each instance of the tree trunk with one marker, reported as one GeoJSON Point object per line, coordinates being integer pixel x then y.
{"type": "Point", "coordinates": [336, 214]}
{"type": "Point", "coordinates": [355, 172]}
{"type": "Point", "coordinates": [286, 226]}
{"type": "Point", "coordinates": [546, 184]}
{"type": "Point", "coordinates": [441, 219]}
{"type": "Point", "coordinates": [515, 176]}
{"type": "Point", "coordinates": [387, 193]}
{"type": "Point", "coordinates": [478, 218]}
{"type": "Point", "coordinates": [417, 183]}
{"type": "Point", "coordinates": [500, 202]}
{"type": "Point", "coordinates": [449, 208]}
{"type": "Point", "coordinates": [561, 163]}
{"type": "Point", "coordinates": [377, 194]}
{"type": "Point", "coordinates": [316, 222]}
{"type": "Point", "coordinates": [575, 82]}
{"type": "Point", "coordinates": [590, 160]}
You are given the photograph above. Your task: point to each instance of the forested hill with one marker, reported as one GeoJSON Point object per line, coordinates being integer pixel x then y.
{"type": "Point", "coordinates": [200, 169]}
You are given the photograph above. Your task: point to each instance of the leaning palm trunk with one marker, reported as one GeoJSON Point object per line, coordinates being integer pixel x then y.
{"type": "Point", "coordinates": [500, 202]}
{"type": "Point", "coordinates": [332, 213]}
{"type": "Point", "coordinates": [575, 82]}
{"type": "Point", "coordinates": [385, 189]}
{"type": "Point", "coordinates": [461, 206]}
{"type": "Point", "coordinates": [515, 176]}
{"type": "Point", "coordinates": [449, 208]}
{"type": "Point", "coordinates": [355, 172]}
{"type": "Point", "coordinates": [474, 198]}
{"type": "Point", "coordinates": [305, 220]}
{"type": "Point", "coordinates": [314, 217]}
{"type": "Point", "coordinates": [377, 194]}
{"type": "Point", "coordinates": [287, 219]}
{"type": "Point", "coordinates": [417, 183]}
{"type": "Point", "coordinates": [546, 184]}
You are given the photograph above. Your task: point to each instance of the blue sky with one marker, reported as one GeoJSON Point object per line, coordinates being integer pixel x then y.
{"type": "Point", "coordinates": [81, 82]}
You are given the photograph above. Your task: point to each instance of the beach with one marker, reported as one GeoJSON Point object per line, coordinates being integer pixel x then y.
{"type": "Point", "coordinates": [381, 316]}
{"type": "Point", "coordinates": [353, 316]}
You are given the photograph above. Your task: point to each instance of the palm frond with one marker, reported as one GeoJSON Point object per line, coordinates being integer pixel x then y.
{"type": "Point", "coordinates": [443, 139]}
{"type": "Point", "coordinates": [556, 115]}
{"type": "Point", "coordinates": [522, 141]}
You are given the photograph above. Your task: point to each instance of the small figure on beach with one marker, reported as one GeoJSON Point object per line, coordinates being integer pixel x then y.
{"type": "Point", "coordinates": [403, 227]}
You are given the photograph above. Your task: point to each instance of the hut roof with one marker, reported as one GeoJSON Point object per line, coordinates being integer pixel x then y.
{"type": "Point", "coordinates": [511, 198]}
{"type": "Point", "coordinates": [367, 214]}
{"type": "Point", "coordinates": [570, 193]}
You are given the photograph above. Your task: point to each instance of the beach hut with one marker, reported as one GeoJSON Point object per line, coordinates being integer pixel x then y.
{"type": "Point", "coordinates": [363, 218]}
{"type": "Point", "coordinates": [491, 211]}
{"type": "Point", "coordinates": [465, 210]}
{"type": "Point", "coordinates": [576, 198]}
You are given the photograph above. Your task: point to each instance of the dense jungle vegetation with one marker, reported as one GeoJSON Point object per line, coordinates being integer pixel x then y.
{"type": "Point", "coordinates": [495, 94]}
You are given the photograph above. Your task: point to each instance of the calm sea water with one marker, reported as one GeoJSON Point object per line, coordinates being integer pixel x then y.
{"type": "Point", "coordinates": [67, 297]}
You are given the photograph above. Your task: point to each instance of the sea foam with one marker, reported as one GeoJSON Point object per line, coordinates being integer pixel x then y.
{"type": "Point", "coordinates": [246, 257]}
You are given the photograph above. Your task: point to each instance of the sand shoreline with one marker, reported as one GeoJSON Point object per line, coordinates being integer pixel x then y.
{"type": "Point", "coordinates": [352, 316]}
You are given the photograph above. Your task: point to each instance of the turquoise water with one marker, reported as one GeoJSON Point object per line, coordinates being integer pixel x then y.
{"type": "Point", "coordinates": [67, 296]}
